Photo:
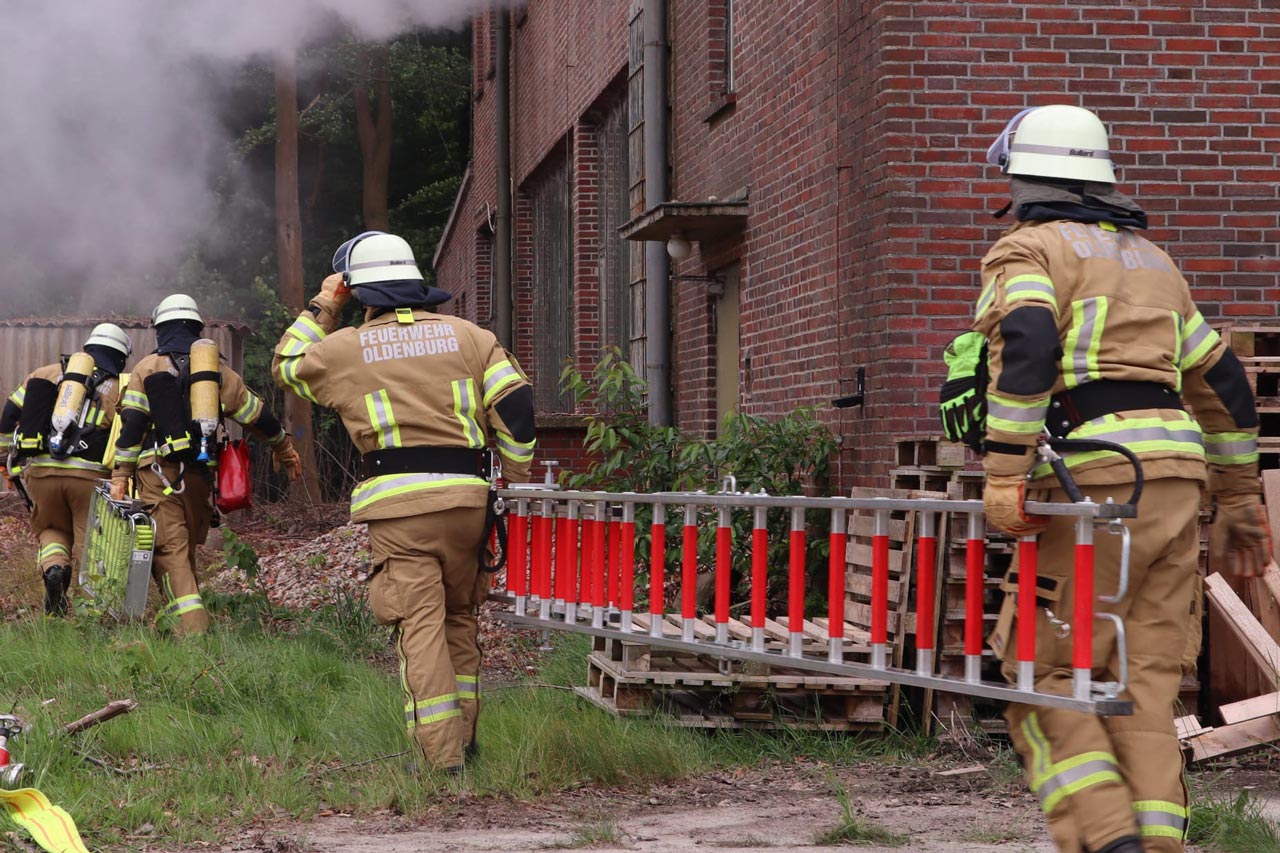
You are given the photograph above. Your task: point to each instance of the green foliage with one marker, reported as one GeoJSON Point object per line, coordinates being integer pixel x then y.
{"type": "Point", "coordinates": [785, 457]}
{"type": "Point", "coordinates": [1233, 823]}
{"type": "Point", "coordinates": [853, 829]}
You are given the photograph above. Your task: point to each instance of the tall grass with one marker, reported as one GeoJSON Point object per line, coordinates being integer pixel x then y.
{"type": "Point", "coordinates": [247, 723]}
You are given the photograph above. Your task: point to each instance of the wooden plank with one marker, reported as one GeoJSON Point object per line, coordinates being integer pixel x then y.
{"type": "Point", "coordinates": [1188, 727]}
{"type": "Point", "coordinates": [1228, 740]}
{"type": "Point", "coordinates": [1258, 644]}
{"type": "Point", "coordinates": [1264, 592]}
{"type": "Point", "coordinates": [1249, 709]}
{"type": "Point", "coordinates": [860, 556]}
{"type": "Point", "coordinates": [865, 525]}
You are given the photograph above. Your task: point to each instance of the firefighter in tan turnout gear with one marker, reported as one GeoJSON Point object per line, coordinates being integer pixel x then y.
{"type": "Point", "coordinates": [1092, 333]}
{"type": "Point", "coordinates": [420, 393]}
{"type": "Point", "coordinates": [161, 443]}
{"type": "Point", "coordinates": [54, 430]}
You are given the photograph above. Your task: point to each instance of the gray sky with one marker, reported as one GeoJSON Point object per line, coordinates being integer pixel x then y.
{"type": "Point", "coordinates": [112, 133]}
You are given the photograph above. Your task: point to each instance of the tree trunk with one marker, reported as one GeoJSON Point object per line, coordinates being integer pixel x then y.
{"type": "Point", "coordinates": [373, 126]}
{"type": "Point", "coordinates": [297, 411]}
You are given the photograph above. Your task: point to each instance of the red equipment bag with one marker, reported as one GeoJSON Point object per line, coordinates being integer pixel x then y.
{"type": "Point", "coordinates": [235, 486]}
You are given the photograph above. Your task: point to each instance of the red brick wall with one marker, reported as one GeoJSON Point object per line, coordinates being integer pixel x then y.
{"type": "Point", "coordinates": [858, 127]}
{"type": "Point", "coordinates": [1185, 88]}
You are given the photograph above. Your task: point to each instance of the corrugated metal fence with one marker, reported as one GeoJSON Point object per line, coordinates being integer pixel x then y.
{"type": "Point", "coordinates": [28, 344]}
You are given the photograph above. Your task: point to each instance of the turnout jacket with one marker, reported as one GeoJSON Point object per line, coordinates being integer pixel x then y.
{"type": "Point", "coordinates": [412, 378]}
{"type": "Point", "coordinates": [1066, 303]}
{"type": "Point", "coordinates": [86, 464]}
{"type": "Point", "coordinates": [137, 443]}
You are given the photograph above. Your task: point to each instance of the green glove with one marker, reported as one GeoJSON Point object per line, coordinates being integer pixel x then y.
{"type": "Point", "coordinates": [963, 404]}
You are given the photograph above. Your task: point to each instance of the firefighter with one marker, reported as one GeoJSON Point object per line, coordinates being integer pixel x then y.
{"type": "Point", "coordinates": [158, 445]}
{"type": "Point", "coordinates": [1092, 332]}
{"type": "Point", "coordinates": [420, 394]}
{"type": "Point", "coordinates": [55, 427]}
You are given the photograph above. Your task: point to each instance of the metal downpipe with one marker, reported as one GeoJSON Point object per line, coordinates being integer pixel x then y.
{"type": "Point", "coordinates": [502, 294]}
{"type": "Point", "coordinates": [657, 266]}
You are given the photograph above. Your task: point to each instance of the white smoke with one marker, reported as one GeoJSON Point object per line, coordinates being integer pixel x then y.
{"type": "Point", "coordinates": [112, 133]}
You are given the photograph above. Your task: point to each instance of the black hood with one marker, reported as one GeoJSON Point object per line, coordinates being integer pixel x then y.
{"type": "Point", "coordinates": [106, 359]}
{"type": "Point", "coordinates": [177, 336]}
{"type": "Point", "coordinates": [400, 294]}
{"type": "Point", "coordinates": [1048, 199]}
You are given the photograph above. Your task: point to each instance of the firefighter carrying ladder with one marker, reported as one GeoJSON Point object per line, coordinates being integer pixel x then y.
{"type": "Point", "coordinates": [571, 566]}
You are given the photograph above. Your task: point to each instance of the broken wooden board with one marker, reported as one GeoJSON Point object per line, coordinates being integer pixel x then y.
{"type": "Point", "coordinates": [1189, 726]}
{"type": "Point", "coordinates": [1244, 660]}
{"type": "Point", "coordinates": [1249, 709]}
{"type": "Point", "coordinates": [1228, 740]}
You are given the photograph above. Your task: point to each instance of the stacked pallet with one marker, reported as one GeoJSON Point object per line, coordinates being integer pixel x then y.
{"type": "Point", "coordinates": [1258, 348]}
{"type": "Point", "coordinates": [902, 566]}
{"type": "Point", "coordinates": [934, 464]}
{"type": "Point", "coordinates": [699, 691]}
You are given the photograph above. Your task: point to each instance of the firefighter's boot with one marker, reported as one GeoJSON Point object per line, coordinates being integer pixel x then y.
{"type": "Point", "coordinates": [57, 580]}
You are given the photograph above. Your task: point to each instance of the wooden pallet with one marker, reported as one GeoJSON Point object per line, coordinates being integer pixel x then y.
{"type": "Point", "coordinates": [930, 452]}
{"type": "Point", "coordinates": [902, 533]}
{"type": "Point", "coordinates": [920, 479]}
{"type": "Point", "coordinates": [707, 692]}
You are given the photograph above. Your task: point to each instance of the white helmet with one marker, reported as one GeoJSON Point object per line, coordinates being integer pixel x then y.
{"type": "Point", "coordinates": [376, 257]}
{"type": "Point", "coordinates": [111, 336]}
{"type": "Point", "coordinates": [179, 306]}
{"type": "Point", "coordinates": [1057, 141]}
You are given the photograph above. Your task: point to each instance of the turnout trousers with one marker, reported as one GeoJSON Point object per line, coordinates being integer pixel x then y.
{"type": "Point", "coordinates": [60, 511]}
{"type": "Point", "coordinates": [428, 586]}
{"type": "Point", "coordinates": [1100, 779]}
{"type": "Point", "coordinates": [182, 523]}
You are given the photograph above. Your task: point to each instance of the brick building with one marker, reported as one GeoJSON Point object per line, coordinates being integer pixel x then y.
{"type": "Point", "coordinates": [826, 157]}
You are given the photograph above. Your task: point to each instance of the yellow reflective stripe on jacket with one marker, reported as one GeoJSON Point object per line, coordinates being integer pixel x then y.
{"type": "Point", "coordinates": [1162, 819]}
{"type": "Point", "coordinates": [1140, 435]}
{"type": "Point", "coordinates": [134, 399]}
{"type": "Point", "coordinates": [127, 454]}
{"type": "Point", "coordinates": [248, 413]}
{"type": "Point", "coordinates": [185, 604]}
{"type": "Point", "coordinates": [432, 710]}
{"type": "Point", "coordinates": [51, 826]}
{"type": "Point", "coordinates": [1080, 352]}
{"type": "Point", "coordinates": [392, 485]}
{"type": "Point", "coordinates": [497, 379]}
{"type": "Point", "coordinates": [1177, 349]}
{"type": "Point", "coordinates": [516, 451]}
{"type": "Point", "coordinates": [465, 408]}
{"type": "Point", "coordinates": [382, 418]}
{"type": "Point", "coordinates": [306, 329]}
{"type": "Point", "coordinates": [1033, 288]}
{"type": "Point", "coordinates": [289, 376]}
{"type": "Point", "coordinates": [1054, 781]}
{"type": "Point", "coordinates": [71, 463]}
{"type": "Point", "coordinates": [53, 549]}
{"type": "Point", "coordinates": [984, 301]}
{"type": "Point", "coordinates": [19, 396]}
{"type": "Point", "coordinates": [1016, 416]}
{"type": "Point", "coordinates": [468, 686]}
{"type": "Point", "coordinates": [1230, 448]}
{"type": "Point", "coordinates": [1198, 340]}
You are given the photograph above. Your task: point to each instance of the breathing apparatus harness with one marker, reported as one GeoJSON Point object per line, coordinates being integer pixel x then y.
{"type": "Point", "coordinates": [170, 398]}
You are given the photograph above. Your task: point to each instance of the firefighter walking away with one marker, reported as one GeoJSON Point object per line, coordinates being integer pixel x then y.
{"type": "Point", "coordinates": [54, 433]}
{"type": "Point", "coordinates": [1091, 333]}
{"type": "Point", "coordinates": [421, 395]}
{"type": "Point", "coordinates": [170, 413]}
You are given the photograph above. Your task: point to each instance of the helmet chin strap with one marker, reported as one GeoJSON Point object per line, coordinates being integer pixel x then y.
{"type": "Point", "coordinates": [999, 214]}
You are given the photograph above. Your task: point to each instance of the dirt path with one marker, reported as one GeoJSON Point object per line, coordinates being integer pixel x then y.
{"type": "Point", "coordinates": [786, 809]}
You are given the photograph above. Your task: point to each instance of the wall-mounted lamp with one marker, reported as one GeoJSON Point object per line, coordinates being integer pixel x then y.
{"type": "Point", "coordinates": [679, 248]}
